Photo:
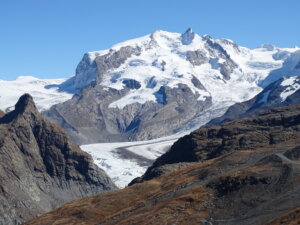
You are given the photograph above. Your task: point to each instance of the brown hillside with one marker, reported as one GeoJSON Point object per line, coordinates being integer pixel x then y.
{"type": "Point", "coordinates": [229, 181]}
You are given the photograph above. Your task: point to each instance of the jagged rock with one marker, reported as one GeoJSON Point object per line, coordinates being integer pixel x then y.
{"type": "Point", "coordinates": [187, 37]}
{"type": "Point", "coordinates": [215, 49]}
{"type": "Point", "coordinates": [40, 168]}
{"type": "Point", "coordinates": [89, 70]}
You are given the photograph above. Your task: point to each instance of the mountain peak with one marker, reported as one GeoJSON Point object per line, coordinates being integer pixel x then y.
{"type": "Point", "coordinates": [25, 103]}
{"type": "Point", "coordinates": [188, 36]}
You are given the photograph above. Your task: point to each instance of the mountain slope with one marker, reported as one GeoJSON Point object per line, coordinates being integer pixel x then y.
{"type": "Point", "coordinates": [245, 172]}
{"type": "Point", "coordinates": [40, 168]}
{"type": "Point", "coordinates": [154, 85]}
{"type": "Point", "coordinates": [285, 91]}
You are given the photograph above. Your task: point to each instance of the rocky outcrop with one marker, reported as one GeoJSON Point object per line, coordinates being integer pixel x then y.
{"type": "Point", "coordinates": [40, 169]}
{"type": "Point", "coordinates": [245, 172]}
{"type": "Point", "coordinates": [197, 57]}
{"type": "Point", "coordinates": [92, 67]}
{"type": "Point", "coordinates": [187, 37]}
{"type": "Point", "coordinates": [217, 51]}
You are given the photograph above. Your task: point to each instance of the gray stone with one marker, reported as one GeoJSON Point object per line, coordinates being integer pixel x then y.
{"type": "Point", "coordinates": [187, 37]}
{"type": "Point", "coordinates": [196, 58]}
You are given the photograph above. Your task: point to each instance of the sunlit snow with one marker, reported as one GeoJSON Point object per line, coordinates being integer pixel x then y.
{"type": "Point", "coordinates": [41, 90]}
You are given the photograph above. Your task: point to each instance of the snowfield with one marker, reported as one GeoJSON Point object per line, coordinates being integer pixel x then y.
{"type": "Point", "coordinates": [44, 92]}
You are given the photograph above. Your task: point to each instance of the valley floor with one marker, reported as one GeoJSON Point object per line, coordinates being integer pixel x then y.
{"type": "Point", "coordinates": [124, 161]}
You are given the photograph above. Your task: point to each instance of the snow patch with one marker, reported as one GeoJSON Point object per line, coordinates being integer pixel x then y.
{"type": "Point", "coordinates": [293, 85]}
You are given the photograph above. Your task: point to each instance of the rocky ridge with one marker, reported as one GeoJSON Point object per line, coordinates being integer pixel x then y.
{"type": "Point", "coordinates": [40, 168]}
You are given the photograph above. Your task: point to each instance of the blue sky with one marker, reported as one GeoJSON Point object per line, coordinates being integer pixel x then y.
{"type": "Point", "coordinates": [47, 38]}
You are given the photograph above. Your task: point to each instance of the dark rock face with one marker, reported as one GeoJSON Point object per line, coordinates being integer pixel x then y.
{"type": "Point", "coordinates": [40, 168]}
{"type": "Point", "coordinates": [91, 120]}
{"type": "Point", "coordinates": [245, 172]}
{"type": "Point", "coordinates": [269, 98]}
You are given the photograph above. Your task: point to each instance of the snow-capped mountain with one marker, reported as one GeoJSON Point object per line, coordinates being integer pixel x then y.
{"type": "Point", "coordinates": [155, 85]}
{"type": "Point", "coordinates": [283, 92]}
{"type": "Point", "coordinates": [44, 91]}
{"type": "Point", "coordinates": [168, 59]}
